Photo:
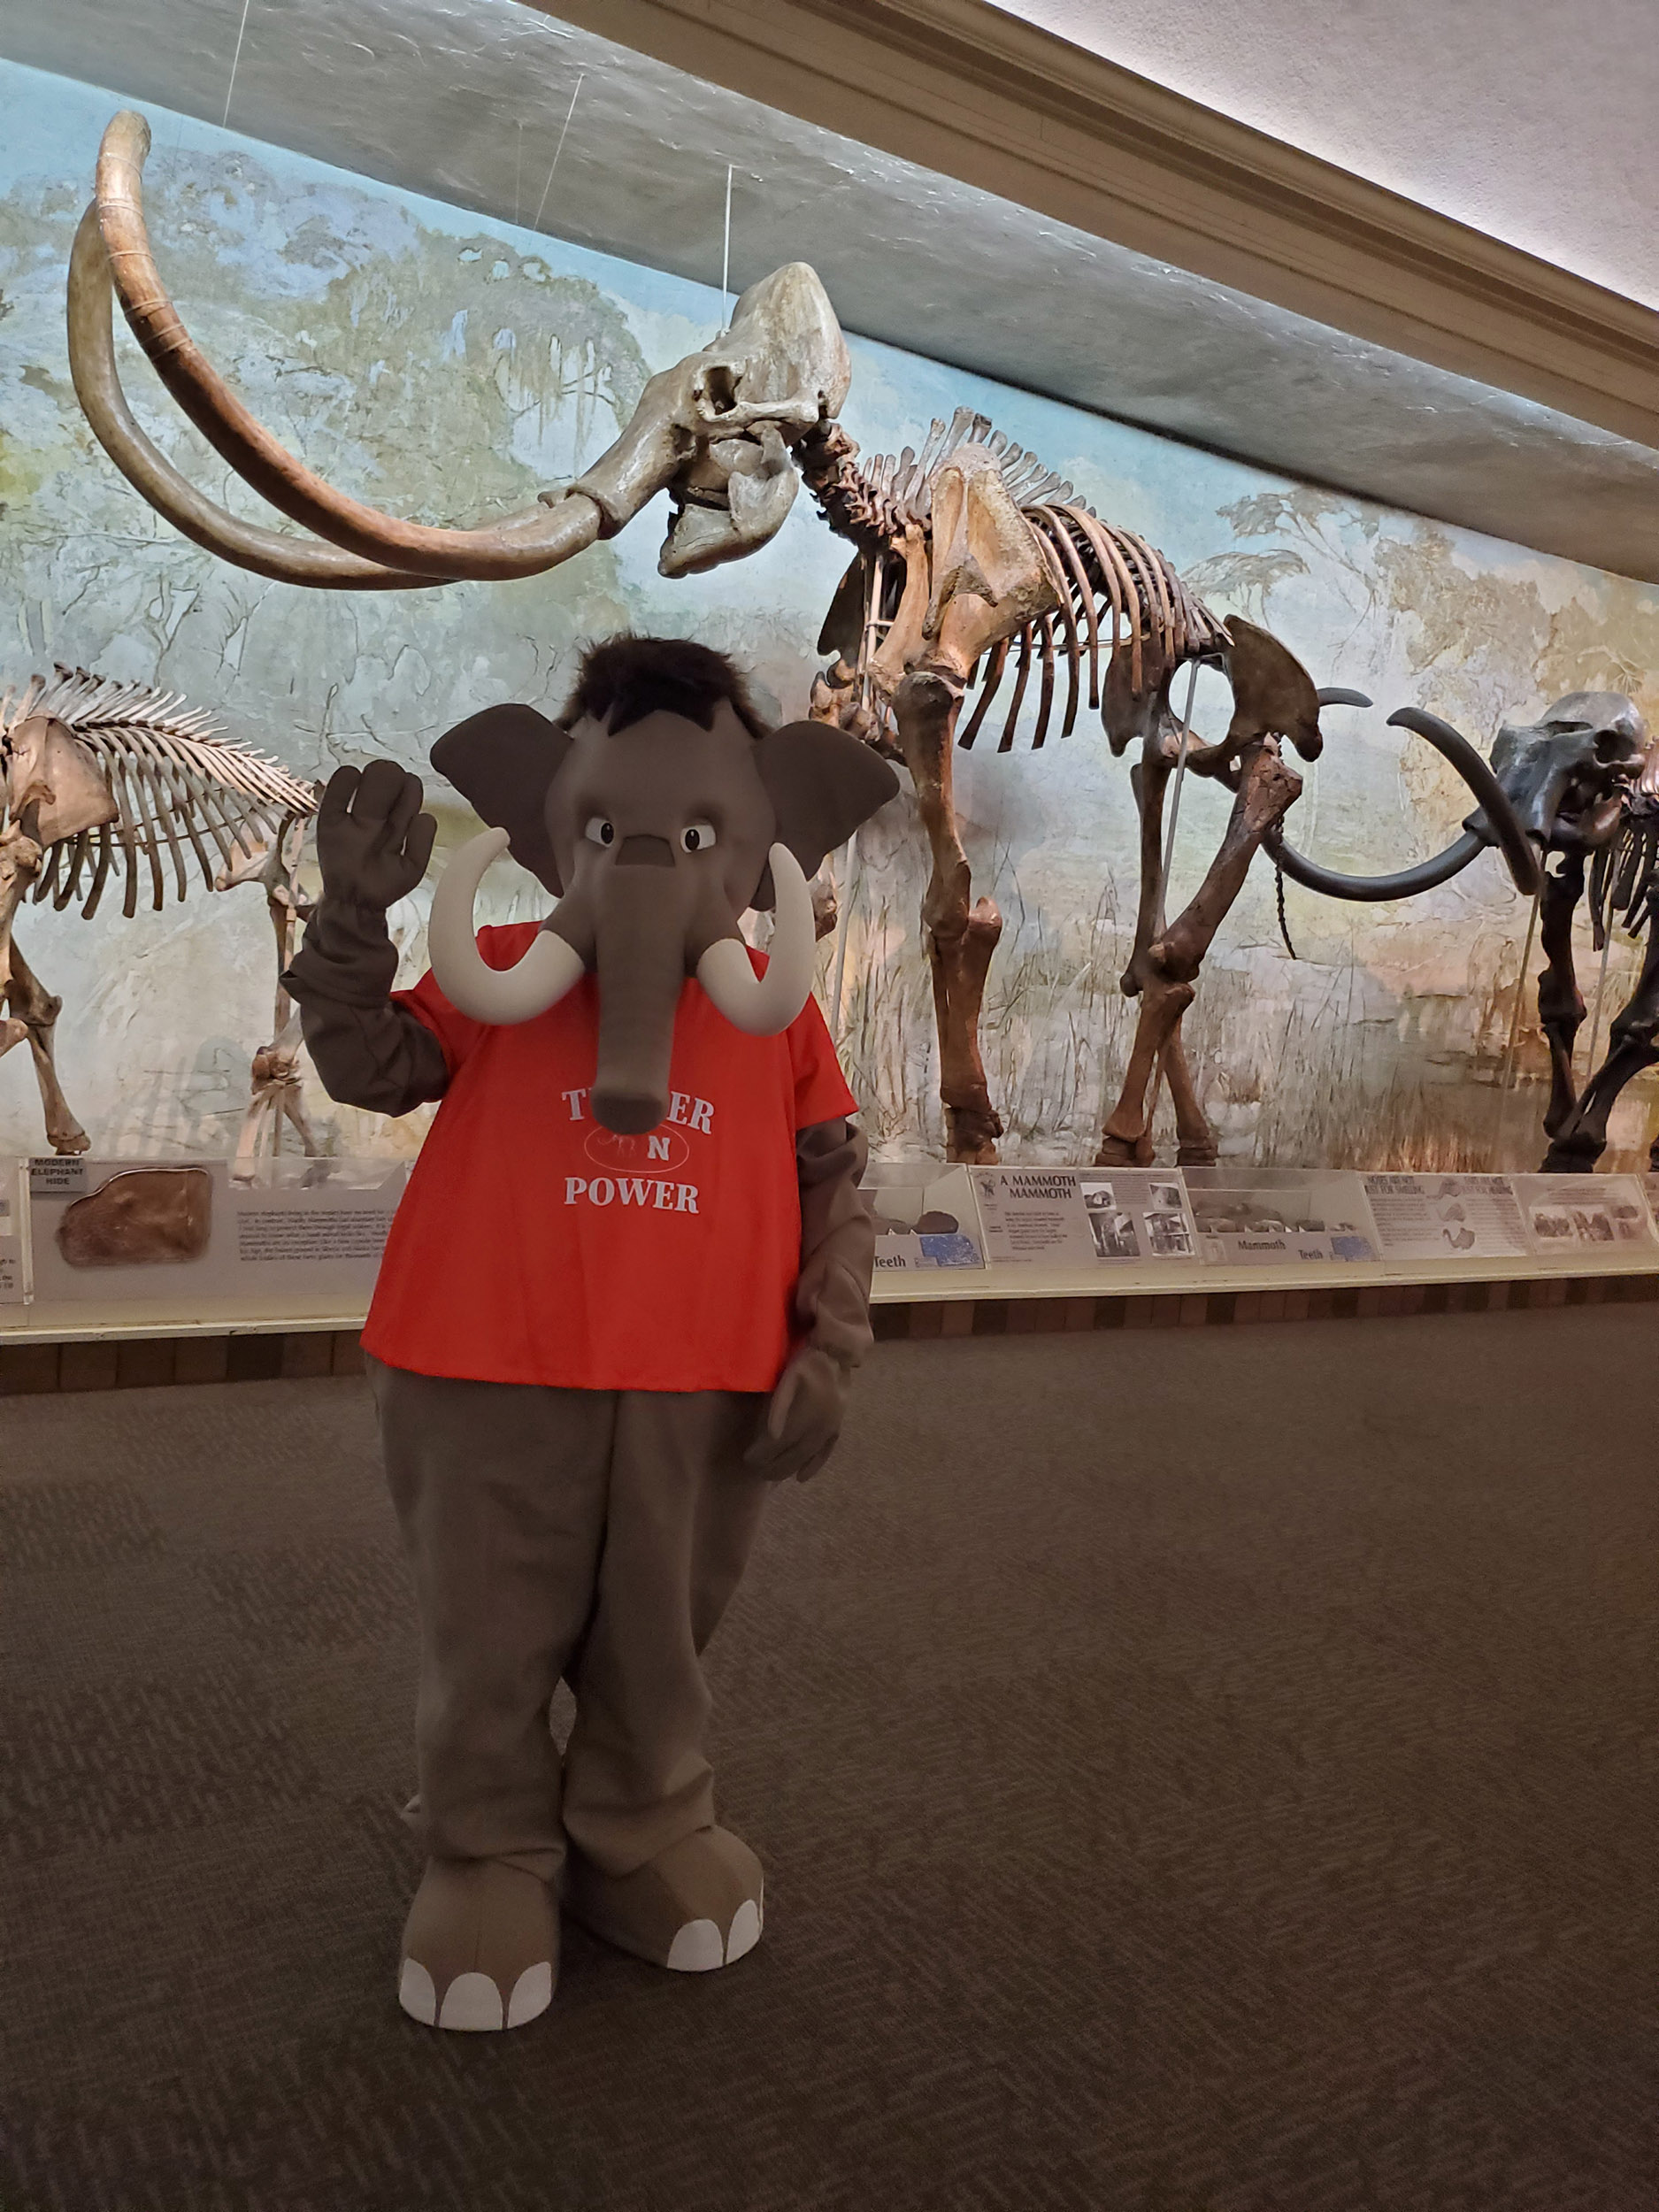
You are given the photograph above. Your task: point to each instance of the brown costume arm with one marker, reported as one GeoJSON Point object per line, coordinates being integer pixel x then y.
{"type": "Point", "coordinates": [831, 1304]}
{"type": "Point", "coordinates": [368, 1052]}
{"type": "Point", "coordinates": [838, 1241]}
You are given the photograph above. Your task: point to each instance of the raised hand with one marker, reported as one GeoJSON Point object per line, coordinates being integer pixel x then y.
{"type": "Point", "coordinates": [373, 840]}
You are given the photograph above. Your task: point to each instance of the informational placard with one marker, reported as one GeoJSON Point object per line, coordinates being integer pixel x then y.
{"type": "Point", "coordinates": [1572, 1217]}
{"type": "Point", "coordinates": [926, 1217]}
{"type": "Point", "coordinates": [186, 1233]}
{"type": "Point", "coordinates": [1448, 1216]}
{"type": "Point", "coordinates": [1278, 1217]}
{"type": "Point", "coordinates": [14, 1242]}
{"type": "Point", "coordinates": [1084, 1217]}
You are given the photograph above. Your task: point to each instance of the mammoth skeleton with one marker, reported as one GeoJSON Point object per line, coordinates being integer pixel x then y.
{"type": "Point", "coordinates": [973, 559]}
{"type": "Point", "coordinates": [1584, 783]}
{"type": "Point", "coordinates": [106, 784]}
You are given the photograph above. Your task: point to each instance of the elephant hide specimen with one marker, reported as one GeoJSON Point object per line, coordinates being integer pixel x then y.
{"type": "Point", "coordinates": [149, 1217]}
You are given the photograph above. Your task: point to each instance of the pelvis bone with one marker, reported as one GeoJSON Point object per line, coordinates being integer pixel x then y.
{"type": "Point", "coordinates": [53, 788]}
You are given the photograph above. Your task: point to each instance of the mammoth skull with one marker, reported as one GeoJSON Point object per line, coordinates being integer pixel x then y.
{"type": "Point", "coordinates": [1570, 775]}
{"type": "Point", "coordinates": [718, 432]}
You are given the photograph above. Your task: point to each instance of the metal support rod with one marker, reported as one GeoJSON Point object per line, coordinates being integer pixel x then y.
{"type": "Point", "coordinates": [1520, 995]}
{"type": "Point", "coordinates": [1607, 946]}
{"type": "Point", "coordinates": [843, 926]}
{"type": "Point", "coordinates": [1175, 799]}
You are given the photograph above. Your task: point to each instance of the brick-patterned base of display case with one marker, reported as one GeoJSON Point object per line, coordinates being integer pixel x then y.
{"type": "Point", "coordinates": [264, 1356]}
{"type": "Point", "coordinates": [1208, 1308]}
{"type": "Point", "coordinates": [139, 1361]}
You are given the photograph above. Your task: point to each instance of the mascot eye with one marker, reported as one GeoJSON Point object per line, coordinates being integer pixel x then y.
{"type": "Point", "coordinates": [696, 837]}
{"type": "Point", "coordinates": [599, 831]}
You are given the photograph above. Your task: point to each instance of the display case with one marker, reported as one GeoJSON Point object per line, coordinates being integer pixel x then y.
{"type": "Point", "coordinates": [450, 336]}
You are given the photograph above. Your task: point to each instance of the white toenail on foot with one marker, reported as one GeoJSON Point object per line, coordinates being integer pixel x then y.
{"type": "Point", "coordinates": [696, 1948]}
{"type": "Point", "coordinates": [416, 1993]}
{"type": "Point", "coordinates": [745, 1930]}
{"type": "Point", "coordinates": [532, 1994]}
{"type": "Point", "coordinates": [471, 2001]}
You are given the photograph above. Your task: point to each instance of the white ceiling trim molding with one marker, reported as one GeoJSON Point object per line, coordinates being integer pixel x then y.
{"type": "Point", "coordinates": [959, 86]}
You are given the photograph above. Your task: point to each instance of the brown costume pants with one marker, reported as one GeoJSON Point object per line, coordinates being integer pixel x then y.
{"type": "Point", "coordinates": [589, 1533]}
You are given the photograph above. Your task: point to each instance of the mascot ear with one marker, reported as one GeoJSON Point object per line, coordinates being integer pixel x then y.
{"type": "Point", "coordinates": [502, 761]}
{"type": "Point", "coordinates": [822, 784]}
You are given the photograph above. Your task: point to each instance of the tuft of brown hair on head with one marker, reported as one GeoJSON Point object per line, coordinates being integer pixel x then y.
{"type": "Point", "coordinates": [624, 679]}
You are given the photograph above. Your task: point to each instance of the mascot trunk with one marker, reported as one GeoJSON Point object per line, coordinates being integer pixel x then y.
{"type": "Point", "coordinates": [624, 1292]}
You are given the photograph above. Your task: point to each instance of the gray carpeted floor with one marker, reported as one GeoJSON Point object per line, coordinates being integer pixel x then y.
{"type": "Point", "coordinates": [1205, 1771]}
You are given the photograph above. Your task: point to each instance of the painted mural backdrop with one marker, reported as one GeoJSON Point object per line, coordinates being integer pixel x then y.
{"type": "Point", "coordinates": [447, 367]}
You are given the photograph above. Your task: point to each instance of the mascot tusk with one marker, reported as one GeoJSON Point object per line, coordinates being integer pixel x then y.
{"type": "Point", "coordinates": [500, 995]}
{"type": "Point", "coordinates": [762, 1005]}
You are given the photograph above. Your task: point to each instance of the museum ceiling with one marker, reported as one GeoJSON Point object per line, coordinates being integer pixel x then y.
{"type": "Point", "coordinates": [467, 100]}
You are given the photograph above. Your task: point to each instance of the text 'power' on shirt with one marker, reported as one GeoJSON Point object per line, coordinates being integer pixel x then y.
{"type": "Point", "coordinates": [534, 1246]}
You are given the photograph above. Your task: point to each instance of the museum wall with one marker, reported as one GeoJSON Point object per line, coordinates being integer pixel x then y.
{"type": "Point", "coordinates": [446, 366]}
{"type": "Point", "coordinates": [1470, 110]}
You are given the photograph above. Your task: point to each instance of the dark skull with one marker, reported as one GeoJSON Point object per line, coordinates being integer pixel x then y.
{"type": "Point", "coordinates": [1572, 775]}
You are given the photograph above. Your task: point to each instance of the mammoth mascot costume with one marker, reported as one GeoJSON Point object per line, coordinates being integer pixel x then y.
{"type": "Point", "coordinates": [623, 1293]}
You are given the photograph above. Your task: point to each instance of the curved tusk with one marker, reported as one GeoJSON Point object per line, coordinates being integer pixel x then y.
{"type": "Point", "coordinates": [1339, 695]}
{"type": "Point", "coordinates": [1502, 824]}
{"type": "Point", "coordinates": [763, 1005]}
{"type": "Point", "coordinates": [98, 389]}
{"type": "Point", "coordinates": [499, 995]}
{"type": "Point", "coordinates": [1502, 828]}
{"type": "Point", "coordinates": [1405, 883]}
{"type": "Point", "coordinates": [525, 544]}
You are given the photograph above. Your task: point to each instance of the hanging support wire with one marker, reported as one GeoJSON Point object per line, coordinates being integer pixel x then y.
{"type": "Point", "coordinates": [558, 149]}
{"type": "Point", "coordinates": [726, 252]}
{"type": "Point", "coordinates": [241, 32]}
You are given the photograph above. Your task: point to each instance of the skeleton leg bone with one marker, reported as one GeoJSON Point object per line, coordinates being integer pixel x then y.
{"type": "Point", "coordinates": [961, 936]}
{"type": "Point", "coordinates": [31, 1011]}
{"type": "Point", "coordinates": [1148, 780]}
{"type": "Point", "coordinates": [1634, 1045]}
{"type": "Point", "coordinates": [1560, 1004]}
{"type": "Point", "coordinates": [1166, 969]}
{"type": "Point", "coordinates": [1195, 1140]}
{"type": "Point", "coordinates": [20, 865]}
{"type": "Point", "coordinates": [37, 1010]}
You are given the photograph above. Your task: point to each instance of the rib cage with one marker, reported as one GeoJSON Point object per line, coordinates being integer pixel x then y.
{"type": "Point", "coordinates": [1102, 575]}
{"type": "Point", "coordinates": [173, 779]}
{"type": "Point", "coordinates": [1624, 875]}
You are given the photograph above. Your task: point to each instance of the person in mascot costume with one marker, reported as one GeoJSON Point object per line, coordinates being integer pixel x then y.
{"type": "Point", "coordinates": [624, 1292]}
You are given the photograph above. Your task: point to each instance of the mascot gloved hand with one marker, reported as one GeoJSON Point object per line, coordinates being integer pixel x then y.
{"type": "Point", "coordinates": [624, 1294]}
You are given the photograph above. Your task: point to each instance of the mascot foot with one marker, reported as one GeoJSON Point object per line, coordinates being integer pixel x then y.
{"type": "Point", "coordinates": [697, 1905]}
{"type": "Point", "coordinates": [481, 1946]}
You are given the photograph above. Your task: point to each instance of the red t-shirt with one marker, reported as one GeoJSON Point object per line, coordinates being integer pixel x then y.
{"type": "Point", "coordinates": [534, 1246]}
